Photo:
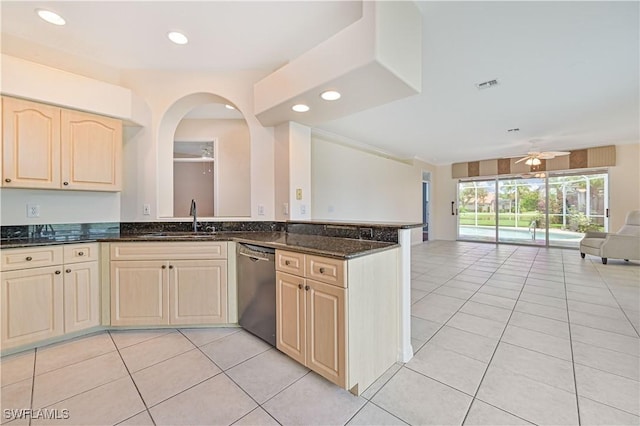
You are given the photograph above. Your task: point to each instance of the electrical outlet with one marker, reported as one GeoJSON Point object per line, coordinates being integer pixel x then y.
{"type": "Point", "coordinates": [299, 194]}
{"type": "Point", "coordinates": [33, 210]}
{"type": "Point", "coordinates": [303, 209]}
{"type": "Point", "coordinates": [260, 209]}
{"type": "Point", "coordinates": [285, 208]}
{"type": "Point", "coordinates": [331, 209]}
{"type": "Point", "coordinates": [146, 209]}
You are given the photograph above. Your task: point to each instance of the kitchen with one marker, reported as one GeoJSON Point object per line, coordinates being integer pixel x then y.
{"type": "Point", "coordinates": [152, 116]}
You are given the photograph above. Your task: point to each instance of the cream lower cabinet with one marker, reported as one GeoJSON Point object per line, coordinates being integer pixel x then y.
{"type": "Point", "coordinates": [47, 292]}
{"type": "Point", "coordinates": [311, 324]}
{"type": "Point", "coordinates": [337, 317]}
{"type": "Point", "coordinates": [185, 284]}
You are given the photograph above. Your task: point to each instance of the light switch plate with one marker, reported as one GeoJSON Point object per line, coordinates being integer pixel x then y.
{"type": "Point", "coordinates": [260, 209]}
{"type": "Point", "coordinates": [146, 209]}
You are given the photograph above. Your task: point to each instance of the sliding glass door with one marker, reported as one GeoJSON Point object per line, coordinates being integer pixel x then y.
{"type": "Point", "coordinates": [552, 209]}
{"type": "Point", "coordinates": [476, 210]}
{"type": "Point", "coordinates": [577, 203]}
{"type": "Point", "coordinates": [521, 211]}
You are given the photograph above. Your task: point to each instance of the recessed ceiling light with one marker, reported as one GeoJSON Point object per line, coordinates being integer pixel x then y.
{"type": "Point", "coordinates": [178, 38]}
{"type": "Point", "coordinates": [227, 106]}
{"type": "Point", "coordinates": [300, 108]}
{"type": "Point", "coordinates": [330, 95]}
{"type": "Point", "coordinates": [51, 17]}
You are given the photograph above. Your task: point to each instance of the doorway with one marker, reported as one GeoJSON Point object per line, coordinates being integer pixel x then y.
{"type": "Point", "coordinates": [426, 181]}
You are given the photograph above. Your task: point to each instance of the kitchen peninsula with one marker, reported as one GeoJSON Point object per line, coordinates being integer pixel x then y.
{"type": "Point", "coordinates": [355, 293]}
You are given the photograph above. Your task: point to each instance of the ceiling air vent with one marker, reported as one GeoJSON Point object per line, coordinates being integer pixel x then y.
{"type": "Point", "coordinates": [487, 84]}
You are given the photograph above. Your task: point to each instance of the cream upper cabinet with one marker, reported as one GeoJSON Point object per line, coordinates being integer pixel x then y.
{"type": "Point", "coordinates": [30, 144]}
{"type": "Point", "coordinates": [91, 152]}
{"type": "Point", "coordinates": [48, 147]}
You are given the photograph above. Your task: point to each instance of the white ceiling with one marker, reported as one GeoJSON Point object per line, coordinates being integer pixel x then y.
{"type": "Point", "coordinates": [568, 72]}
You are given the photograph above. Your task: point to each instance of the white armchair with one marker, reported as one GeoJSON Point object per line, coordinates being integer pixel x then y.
{"type": "Point", "coordinates": [625, 244]}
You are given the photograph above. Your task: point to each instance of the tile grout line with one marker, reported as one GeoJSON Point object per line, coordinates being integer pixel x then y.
{"type": "Point", "coordinates": [132, 381]}
{"type": "Point", "coordinates": [33, 382]}
{"type": "Point", "coordinates": [573, 361]}
{"type": "Point", "coordinates": [619, 306]}
{"type": "Point", "coordinates": [496, 348]}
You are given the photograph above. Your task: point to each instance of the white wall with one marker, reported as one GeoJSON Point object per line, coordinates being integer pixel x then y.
{"type": "Point", "coordinates": [58, 206]}
{"type": "Point", "coordinates": [350, 184]}
{"type": "Point", "coordinates": [151, 153]}
{"type": "Point", "coordinates": [624, 184]}
{"type": "Point", "coordinates": [233, 160]}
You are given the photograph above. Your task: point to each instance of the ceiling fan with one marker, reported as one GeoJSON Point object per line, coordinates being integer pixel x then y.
{"type": "Point", "coordinates": [533, 158]}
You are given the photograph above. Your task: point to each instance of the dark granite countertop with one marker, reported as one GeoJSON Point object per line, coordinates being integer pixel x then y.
{"type": "Point", "coordinates": [341, 248]}
{"type": "Point", "coordinates": [396, 225]}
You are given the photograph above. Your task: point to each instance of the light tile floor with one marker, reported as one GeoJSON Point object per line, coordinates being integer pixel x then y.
{"type": "Point", "coordinates": [503, 335]}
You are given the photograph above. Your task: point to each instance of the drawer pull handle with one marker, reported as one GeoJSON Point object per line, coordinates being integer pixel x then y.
{"type": "Point", "coordinates": [300, 286]}
{"type": "Point", "coordinates": [68, 271]}
{"type": "Point", "coordinates": [306, 287]}
{"type": "Point", "coordinates": [164, 266]}
{"type": "Point", "coordinates": [29, 258]}
{"type": "Point", "coordinates": [58, 272]}
{"type": "Point", "coordinates": [321, 270]}
{"type": "Point", "coordinates": [80, 253]}
{"type": "Point", "coordinates": [65, 183]}
{"type": "Point", "coordinates": [287, 262]}
{"type": "Point", "coordinates": [7, 180]}
{"type": "Point", "coordinates": [170, 266]}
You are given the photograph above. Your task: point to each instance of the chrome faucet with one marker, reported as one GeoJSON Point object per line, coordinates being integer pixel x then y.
{"type": "Point", "coordinates": [193, 212]}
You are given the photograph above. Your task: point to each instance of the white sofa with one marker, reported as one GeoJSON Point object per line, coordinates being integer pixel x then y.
{"type": "Point", "coordinates": [624, 244]}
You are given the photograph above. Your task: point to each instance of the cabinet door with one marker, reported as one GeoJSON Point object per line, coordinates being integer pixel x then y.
{"type": "Point", "coordinates": [91, 152]}
{"type": "Point", "coordinates": [326, 325]}
{"type": "Point", "coordinates": [197, 291]}
{"type": "Point", "coordinates": [290, 316]}
{"type": "Point", "coordinates": [30, 144]}
{"type": "Point", "coordinates": [81, 296]}
{"type": "Point", "coordinates": [31, 305]}
{"type": "Point", "coordinates": [139, 293]}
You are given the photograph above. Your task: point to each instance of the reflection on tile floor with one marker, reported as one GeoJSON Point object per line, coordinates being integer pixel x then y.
{"type": "Point", "coordinates": [502, 336]}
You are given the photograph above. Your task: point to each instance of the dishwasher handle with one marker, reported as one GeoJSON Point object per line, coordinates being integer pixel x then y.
{"type": "Point", "coordinates": [253, 256]}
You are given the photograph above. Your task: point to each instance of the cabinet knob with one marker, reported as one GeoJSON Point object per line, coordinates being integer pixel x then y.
{"type": "Point", "coordinates": [300, 286]}
{"type": "Point", "coordinates": [170, 266]}
{"type": "Point", "coordinates": [29, 258]}
{"type": "Point", "coordinates": [322, 270]}
{"type": "Point", "coordinates": [58, 272]}
{"type": "Point", "coordinates": [306, 287]}
{"type": "Point", "coordinates": [287, 262]}
{"type": "Point", "coordinates": [68, 271]}
{"type": "Point", "coordinates": [65, 183]}
{"type": "Point", "coordinates": [80, 253]}
{"type": "Point", "coordinates": [164, 266]}
{"type": "Point", "coordinates": [7, 180]}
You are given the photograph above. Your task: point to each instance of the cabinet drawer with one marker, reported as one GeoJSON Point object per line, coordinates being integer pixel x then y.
{"type": "Point", "coordinates": [169, 251]}
{"type": "Point", "coordinates": [74, 253]}
{"type": "Point", "coordinates": [287, 261]}
{"type": "Point", "coordinates": [32, 257]}
{"type": "Point", "coordinates": [326, 270]}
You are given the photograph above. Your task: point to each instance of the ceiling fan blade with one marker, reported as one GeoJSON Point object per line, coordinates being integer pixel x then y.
{"type": "Point", "coordinates": [558, 153]}
{"type": "Point", "coordinates": [522, 159]}
{"type": "Point", "coordinates": [546, 155]}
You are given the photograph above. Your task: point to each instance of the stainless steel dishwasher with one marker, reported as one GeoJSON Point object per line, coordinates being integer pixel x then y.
{"type": "Point", "coordinates": [257, 291]}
